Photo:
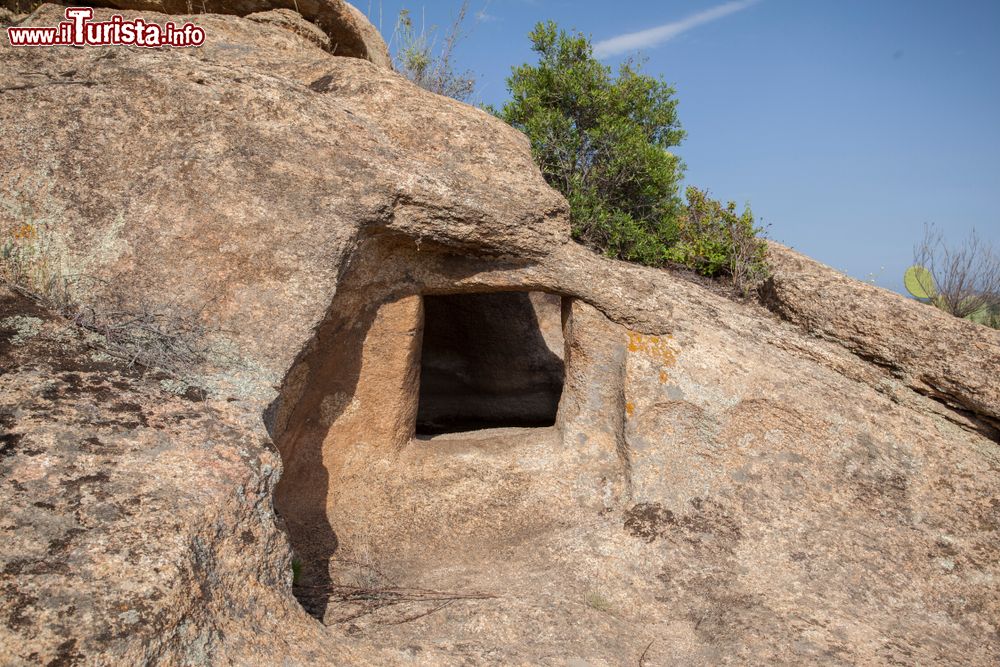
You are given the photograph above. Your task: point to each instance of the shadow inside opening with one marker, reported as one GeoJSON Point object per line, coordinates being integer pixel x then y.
{"type": "Point", "coordinates": [490, 360]}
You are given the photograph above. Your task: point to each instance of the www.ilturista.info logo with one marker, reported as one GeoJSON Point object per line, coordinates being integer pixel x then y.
{"type": "Point", "coordinates": [78, 30]}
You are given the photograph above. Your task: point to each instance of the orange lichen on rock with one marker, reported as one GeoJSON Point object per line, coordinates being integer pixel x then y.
{"type": "Point", "coordinates": [657, 348]}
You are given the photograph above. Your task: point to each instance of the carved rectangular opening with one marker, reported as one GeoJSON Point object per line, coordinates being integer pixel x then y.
{"type": "Point", "coordinates": [490, 360]}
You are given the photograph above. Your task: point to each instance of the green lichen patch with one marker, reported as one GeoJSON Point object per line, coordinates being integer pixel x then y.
{"type": "Point", "coordinates": [22, 328]}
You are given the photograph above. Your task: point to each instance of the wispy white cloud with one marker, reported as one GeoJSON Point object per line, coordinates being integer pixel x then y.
{"type": "Point", "coordinates": [663, 33]}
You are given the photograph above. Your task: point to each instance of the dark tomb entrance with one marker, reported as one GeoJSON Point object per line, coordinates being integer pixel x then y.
{"type": "Point", "coordinates": [490, 360]}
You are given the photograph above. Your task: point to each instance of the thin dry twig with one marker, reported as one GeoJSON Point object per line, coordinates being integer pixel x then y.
{"type": "Point", "coordinates": [413, 617]}
{"type": "Point", "coordinates": [642, 658]}
{"type": "Point", "coordinates": [372, 600]}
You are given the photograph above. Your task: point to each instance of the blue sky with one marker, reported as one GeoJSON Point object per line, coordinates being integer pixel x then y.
{"type": "Point", "coordinates": [846, 124]}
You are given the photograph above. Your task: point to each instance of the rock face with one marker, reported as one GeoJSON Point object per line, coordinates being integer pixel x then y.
{"type": "Point", "coordinates": [937, 355]}
{"type": "Point", "coordinates": [270, 136]}
{"type": "Point", "coordinates": [811, 479]}
{"type": "Point", "coordinates": [294, 22]}
{"type": "Point", "coordinates": [137, 523]}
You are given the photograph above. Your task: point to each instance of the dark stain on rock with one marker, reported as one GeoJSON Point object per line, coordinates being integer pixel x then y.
{"type": "Point", "coordinates": [72, 384]}
{"type": "Point", "coordinates": [75, 484]}
{"type": "Point", "coordinates": [322, 84]}
{"type": "Point", "coordinates": [5, 335]}
{"type": "Point", "coordinates": [989, 519]}
{"type": "Point", "coordinates": [178, 417]}
{"type": "Point", "coordinates": [880, 478]}
{"type": "Point", "coordinates": [134, 409]}
{"type": "Point", "coordinates": [884, 492]}
{"type": "Point", "coordinates": [62, 544]}
{"type": "Point", "coordinates": [13, 303]}
{"type": "Point", "coordinates": [75, 364]}
{"type": "Point", "coordinates": [195, 394]}
{"type": "Point", "coordinates": [66, 655]}
{"type": "Point", "coordinates": [92, 445]}
{"type": "Point", "coordinates": [647, 521]}
{"type": "Point", "coordinates": [9, 443]}
{"type": "Point", "coordinates": [712, 518]}
{"type": "Point", "coordinates": [20, 602]}
{"type": "Point", "coordinates": [106, 636]}
{"type": "Point", "coordinates": [102, 393]}
{"type": "Point", "coordinates": [27, 566]}
{"type": "Point", "coordinates": [651, 521]}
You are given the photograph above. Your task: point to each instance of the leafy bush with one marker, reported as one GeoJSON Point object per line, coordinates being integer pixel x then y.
{"type": "Point", "coordinates": [988, 316]}
{"type": "Point", "coordinates": [604, 141]}
{"type": "Point", "coordinates": [713, 240]}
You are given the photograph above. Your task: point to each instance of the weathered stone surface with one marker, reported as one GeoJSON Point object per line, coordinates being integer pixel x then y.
{"type": "Point", "coordinates": [137, 523]}
{"type": "Point", "coordinates": [706, 503]}
{"type": "Point", "coordinates": [798, 510]}
{"type": "Point", "coordinates": [721, 486]}
{"type": "Point", "coordinates": [293, 21]}
{"type": "Point", "coordinates": [241, 175]}
{"type": "Point", "coordinates": [938, 355]}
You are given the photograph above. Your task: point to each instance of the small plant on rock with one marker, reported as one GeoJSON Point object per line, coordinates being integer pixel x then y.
{"type": "Point", "coordinates": [596, 601]}
{"type": "Point", "coordinates": [429, 64]}
{"type": "Point", "coordinates": [714, 240]}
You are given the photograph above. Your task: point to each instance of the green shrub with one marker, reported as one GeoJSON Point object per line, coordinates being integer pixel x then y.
{"type": "Point", "coordinates": [989, 316]}
{"type": "Point", "coordinates": [604, 141]}
{"type": "Point", "coordinates": [601, 140]}
{"type": "Point", "coordinates": [714, 240]}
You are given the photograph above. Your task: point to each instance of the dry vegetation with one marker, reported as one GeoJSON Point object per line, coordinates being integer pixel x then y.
{"type": "Point", "coordinates": [965, 277]}
{"type": "Point", "coordinates": [363, 590]}
{"type": "Point", "coordinates": [427, 58]}
{"type": "Point", "coordinates": [142, 334]}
